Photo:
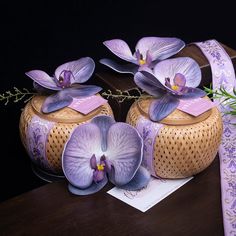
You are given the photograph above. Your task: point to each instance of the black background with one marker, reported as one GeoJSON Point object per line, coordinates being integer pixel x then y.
{"type": "Point", "coordinates": [45, 34]}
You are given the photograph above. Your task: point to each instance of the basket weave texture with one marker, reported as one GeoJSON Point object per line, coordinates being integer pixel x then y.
{"type": "Point", "coordinates": [65, 120]}
{"type": "Point", "coordinates": [185, 145]}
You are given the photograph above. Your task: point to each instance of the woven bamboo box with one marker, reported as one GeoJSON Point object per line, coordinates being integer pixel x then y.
{"type": "Point", "coordinates": [114, 81]}
{"type": "Point", "coordinates": [44, 135]}
{"type": "Point", "coordinates": [183, 146]}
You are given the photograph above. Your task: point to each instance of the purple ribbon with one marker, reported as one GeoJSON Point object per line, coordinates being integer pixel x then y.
{"type": "Point", "coordinates": [148, 131]}
{"type": "Point", "coordinates": [37, 134]}
{"type": "Point", "coordinates": [223, 75]}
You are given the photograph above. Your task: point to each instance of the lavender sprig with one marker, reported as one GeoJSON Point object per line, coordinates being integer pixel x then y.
{"type": "Point", "coordinates": [17, 95]}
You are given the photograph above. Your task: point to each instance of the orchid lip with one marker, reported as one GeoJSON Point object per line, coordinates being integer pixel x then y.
{"type": "Point", "coordinates": [64, 80]}
{"type": "Point", "coordinates": [100, 168]}
{"type": "Point", "coordinates": [178, 86]}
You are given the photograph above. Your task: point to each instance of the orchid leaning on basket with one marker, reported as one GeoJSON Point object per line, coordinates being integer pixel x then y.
{"type": "Point", "coordinates": [148, 51]}
{"type": "Point", "coordinates": [104, 150]}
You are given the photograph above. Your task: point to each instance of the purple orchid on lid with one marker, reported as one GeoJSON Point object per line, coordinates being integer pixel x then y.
{"type": "Point", "coordinates": [170, 80]}
{"type": "Point", "coordinates": [66, 81]}
{"type": "Point", "coordinates": [148, 51]}
{"type": "Point", "coordinates": [102, 150]}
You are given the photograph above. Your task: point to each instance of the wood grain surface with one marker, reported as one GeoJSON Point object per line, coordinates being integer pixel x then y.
{"type": "Point", "coordinates": [194, 209]}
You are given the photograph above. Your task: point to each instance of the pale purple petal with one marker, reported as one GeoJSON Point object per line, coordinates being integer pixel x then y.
{"type": "Point", "coordinates": [81, 69]}
{"type": "Point", "coordinates": [64, 97]}
{"type": "Point", "coordinates": [192, 93]}
{"type": "Point", "coordinates": [128, 68]}
{"type": "Point", "coordinates": [183, 65]}
{"type": "Point", "coordinates": [121, 49]}
{"type": "Point", "coordinates": [103, 123]}
{"type": "Point", "coordinates": [42, 90]}
{"type": "Point", "coordinates": [149, 84]}
{"type": "Point", "coordinates": [82, 90]}
{"type": "Point", "coordinates": [56, 102]}
{"type": "Point", "coordinates": [93, 188]}
{"type": "Point", "coordinates": [124, 151]}
{"type": "Point", "coordinates": [43, 79]}
{"type": "Point", "coordinates": [139, 181]}
{"type": "Point", "coordinates": [83, 143]}
{"type": "Point", "coordinates": [162, 107]}
{"type": "Point", "coordinates": [179, 80]}
{"type": "Point", "coordinates": [159, 48]}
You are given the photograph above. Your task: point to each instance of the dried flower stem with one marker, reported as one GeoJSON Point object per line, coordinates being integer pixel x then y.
{"type": "Point", "coordinates": [121, 96]}
{"type": "Point", "coordinates": [17, 95]}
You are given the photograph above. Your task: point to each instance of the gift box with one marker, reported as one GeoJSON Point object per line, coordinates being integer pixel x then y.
{"type": "Point", "coordinates": [44, 135]}
{"type": "Point", "coordinates": [180, 145]}
{"type": "Point", "coordinates": [114, 81]}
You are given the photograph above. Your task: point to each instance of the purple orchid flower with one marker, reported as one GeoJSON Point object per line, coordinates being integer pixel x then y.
{"type": "Point", "coordinates": [170, 80]}
{"type": "Point", "coordinates": [102, 150]}
{"type": "Point", "coordinates": [148, 51]}
{"type": "Point", "coordinates": [66, 81]}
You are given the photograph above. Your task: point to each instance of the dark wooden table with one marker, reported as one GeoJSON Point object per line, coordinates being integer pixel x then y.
{"type": "Point", "coordinates": [194, 209]}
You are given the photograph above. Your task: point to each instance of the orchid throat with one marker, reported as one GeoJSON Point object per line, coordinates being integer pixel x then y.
{"type": "Point", "coordinates": [178, 83]}
{"type": "Point", "coordinates": [100, 167]}
{"type": "Point", "coordinates": [141, 60]}
{"type": "Point", "coordinates": [64, 80]}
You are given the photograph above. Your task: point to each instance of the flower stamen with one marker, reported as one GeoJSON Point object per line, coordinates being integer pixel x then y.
{"type": "Point", "coordinates": [175, 87]}
{"type": "Point", "coordinates": [142, 62]}
{"type": "Point", "coordinates": [100, 167]}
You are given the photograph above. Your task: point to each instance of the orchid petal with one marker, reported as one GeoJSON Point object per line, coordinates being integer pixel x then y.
{"type": "Point", "coordinates": [103, 123]}
{"type": "Point", "coordinates": [83, 143]}
{"type": "Point", "coordinates": [55, 102]}
{"type": "Point", "coordinates": [64, 97]}
{"type": "Point", "coordinates": [93, 188]}
{"type": "Point", "coordinates": [42, 90]}
{"type": "Point", "coordinates": [43, 79]}
{"type": "Point", "coordinates": [192, 93]}
{"type": "Point", "coordinates": [121, 49]}
{"type": "Point", "coordinates": [183, 65]}
{"type": "Point", "coordinates": [124, 151]}
{"type": "Point", "coordinates": [159, 48]}
{"type": "Point", "coordinates": [82, 90]}
{"type": "Point", "coordinates": [150, 85]}
{"type": "Point", "coordinates": [129, 68]}
{"type": "Point", "coordinates": [162, 107]}
{"type": "Point", "coordinates": [139, 181]}
{"type": "Point", "coordinates": [81, 69]}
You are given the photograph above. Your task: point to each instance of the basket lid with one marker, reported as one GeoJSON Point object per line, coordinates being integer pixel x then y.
{"type": "Point", "coordinates": [64, 115]}
{"type": "Point", "coordinates": [175, 118]}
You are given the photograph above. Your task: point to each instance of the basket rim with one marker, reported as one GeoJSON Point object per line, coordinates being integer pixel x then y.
{"type": "Point", "coordinates": [76, 119]}
{"type": "Point", "coordinates": [175, 118]}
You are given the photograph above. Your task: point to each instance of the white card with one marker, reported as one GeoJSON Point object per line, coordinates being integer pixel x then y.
{"type": "Point", "coordinates": [157, 190]}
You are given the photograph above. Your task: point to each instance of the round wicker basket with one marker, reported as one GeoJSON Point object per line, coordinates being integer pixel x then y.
{"type": "Point", "coordinates": [184, 145]}
{"type": "Point", "coordinates": [44, 135]}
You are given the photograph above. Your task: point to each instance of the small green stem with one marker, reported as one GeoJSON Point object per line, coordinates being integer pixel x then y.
{"type": "Point", "coordinates": [17, 95]}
